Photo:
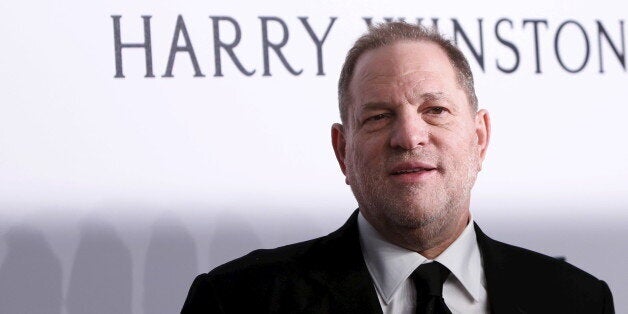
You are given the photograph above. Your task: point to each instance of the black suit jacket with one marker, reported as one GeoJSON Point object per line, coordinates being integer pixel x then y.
{"type": "Point", "coordinates": [329, 275]}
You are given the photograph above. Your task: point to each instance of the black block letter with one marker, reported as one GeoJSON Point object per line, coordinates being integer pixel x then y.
{"type": "Point", "coordinates": [118, 45]}
{"type": "Point", "coordinates": [318, 42]}
{"type": "Point", "coordinates": [275, 46]}
{"type": "Point", "coordinates": [227, 47]}
{"type": "Point", "coordinates": [174, 48]}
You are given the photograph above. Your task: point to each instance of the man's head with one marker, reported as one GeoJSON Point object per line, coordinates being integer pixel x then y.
{"type": "Point", "coordinates": [388, 33]}
{"type": "Point", "coordinates": [412, 141]}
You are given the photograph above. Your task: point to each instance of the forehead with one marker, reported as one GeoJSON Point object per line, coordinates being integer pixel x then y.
{"type": "Point", "coordinates": [414, 66]}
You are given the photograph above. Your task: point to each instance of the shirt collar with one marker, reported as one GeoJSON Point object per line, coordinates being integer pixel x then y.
{"type": "Point", "coordinates": [390, 265]}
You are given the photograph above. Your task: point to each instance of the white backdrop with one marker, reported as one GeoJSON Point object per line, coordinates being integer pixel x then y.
{"type": "Point", "coordinates": [115, 192]}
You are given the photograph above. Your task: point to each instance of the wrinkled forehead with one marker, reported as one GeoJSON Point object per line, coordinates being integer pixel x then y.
{"type": "Point", "coordinates": [402, 57]}
{"type": "Point", "coordinates": [413, 66]}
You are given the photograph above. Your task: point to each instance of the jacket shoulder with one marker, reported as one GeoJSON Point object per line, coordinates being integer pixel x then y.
{"type": "Point", "coordinates": [287, 279]}
{"type": "Point", "coordinates": [263, 281]}
{"type": "Point", "coordinates": [533, 264]}
{"type": "Point", "coordinates": [552, 282]}
{"type": "Point", "coordinates": [340, 247]}
{"type": "Point", "coordinates": [265, 261]}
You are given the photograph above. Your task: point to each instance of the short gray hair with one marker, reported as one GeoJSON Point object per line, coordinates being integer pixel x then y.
{"type": "Point", "coordinates": [386, 34]}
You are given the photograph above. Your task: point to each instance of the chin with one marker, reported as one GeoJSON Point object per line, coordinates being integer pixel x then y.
{"type": "Point", "coordinates": [414, 218]}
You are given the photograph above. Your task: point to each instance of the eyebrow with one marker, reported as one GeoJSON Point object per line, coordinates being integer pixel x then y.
{"type": "Point", "coordinates": [427, 96]}
{"type": "Point", "coordinates": [433, 96]}
{"type": "Point", "coordinates": [374, 105]}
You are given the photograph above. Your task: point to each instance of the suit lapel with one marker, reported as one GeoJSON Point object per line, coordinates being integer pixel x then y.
{"type": "Point", "coordinates": [501, 284]}
{"type": "Point", "coordinates": [337, 265]}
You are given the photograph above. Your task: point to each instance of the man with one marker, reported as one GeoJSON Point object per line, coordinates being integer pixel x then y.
{"type": "Point", "coordinates": [410, 145]}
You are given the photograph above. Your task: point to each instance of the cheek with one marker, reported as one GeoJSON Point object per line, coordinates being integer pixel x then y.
{"type": "Point", "coordinates": [371, 145]}
{"type": "Point", "coordinates": [459, 150]}
{"type": "Point", "coordinates": [364, 158]}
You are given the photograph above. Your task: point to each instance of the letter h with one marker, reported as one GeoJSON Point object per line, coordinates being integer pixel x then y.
{"type": "Point", "coordinates": [118, 45]}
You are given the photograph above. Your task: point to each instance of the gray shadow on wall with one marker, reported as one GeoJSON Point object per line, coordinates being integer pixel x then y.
{"type": "Point", "coordinates": [30, 274]}
{"type": "Point", "coordinates": [232, 238]}
{"type": "Point", "coordinates": [171, 264]}
{"type": "Point", "coordinates": [101, 278]}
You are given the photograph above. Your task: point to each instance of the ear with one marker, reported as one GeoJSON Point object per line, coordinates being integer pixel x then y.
{"type": "Point", "coordinates": [483, 132]}
{"type": "Point", "coordinates": [338, 141]}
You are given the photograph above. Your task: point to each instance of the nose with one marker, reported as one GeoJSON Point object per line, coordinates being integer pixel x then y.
{"type": "Point", "coordinates": [409, 131]}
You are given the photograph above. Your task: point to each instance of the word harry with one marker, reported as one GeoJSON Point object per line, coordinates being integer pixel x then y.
{"type": "Point", "coordinates": [219, 45]}
{"type": "Point", "coordinates": [530, 37]}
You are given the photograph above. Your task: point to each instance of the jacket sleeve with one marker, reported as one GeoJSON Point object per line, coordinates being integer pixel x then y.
{"type": "Point", "coordinates": [202, 298]}
{"type": "Point", "coordinates": [608, 300]}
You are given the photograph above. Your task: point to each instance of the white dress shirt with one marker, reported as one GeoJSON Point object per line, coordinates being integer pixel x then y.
{"type": "Point", "coordinates": [390, 267]}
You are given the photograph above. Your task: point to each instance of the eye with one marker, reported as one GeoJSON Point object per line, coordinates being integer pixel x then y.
{"type": "Point", "coordinates": [436, 110]}
{"type": "Point", "coordinates": [377, 117]}
{"type": "Point", "coordinates": [437, 115]}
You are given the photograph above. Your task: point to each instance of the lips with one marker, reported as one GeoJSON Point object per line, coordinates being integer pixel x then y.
{"type": "Point", "coordinates": [411, 168]}
{"type": "Point", "coordinates": [410, 171]}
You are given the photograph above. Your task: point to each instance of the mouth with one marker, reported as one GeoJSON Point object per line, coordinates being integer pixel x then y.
{"type": "Point", "coordinates": [412, 171]}
{"type": "Point", "coordinates": [411, 167]}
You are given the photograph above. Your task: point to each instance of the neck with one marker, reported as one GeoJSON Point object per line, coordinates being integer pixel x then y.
{"type": "Point", "coordinates": [429, 240]}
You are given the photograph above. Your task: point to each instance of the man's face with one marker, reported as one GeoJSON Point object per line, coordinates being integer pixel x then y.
{"type": "Point", "coordinates": [412, 145]}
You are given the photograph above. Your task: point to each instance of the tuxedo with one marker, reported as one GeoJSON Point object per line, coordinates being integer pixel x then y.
{"type": "Point", "coordinates": [329, 275]}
